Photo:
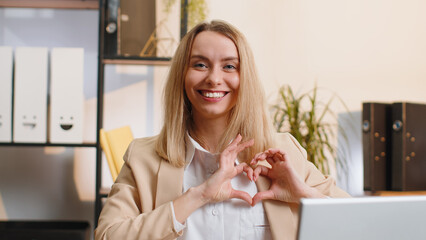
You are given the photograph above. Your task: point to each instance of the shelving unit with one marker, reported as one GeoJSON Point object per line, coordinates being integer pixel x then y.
{"type": "Point", "coordinates": [90, 145]}
{"type": "Point", "coordinates": [137, 61]}
{"type": "Point", "coordinates": [67, 5]}
{"type": "Point", "coordinates": [104, 58]}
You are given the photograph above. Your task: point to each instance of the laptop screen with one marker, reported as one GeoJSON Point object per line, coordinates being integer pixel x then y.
{"type": "Point", "coordinates": [375, 218]}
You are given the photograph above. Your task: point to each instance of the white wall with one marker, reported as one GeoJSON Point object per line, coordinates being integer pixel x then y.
{"type": "Point", "coordinates": [364, 50]}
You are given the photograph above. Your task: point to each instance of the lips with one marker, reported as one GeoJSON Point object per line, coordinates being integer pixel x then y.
{"type": "Point", "coordinates": [213, 94]}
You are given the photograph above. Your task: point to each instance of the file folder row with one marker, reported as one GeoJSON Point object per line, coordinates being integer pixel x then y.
{"type": "Point", "coordinates": [41, 95]}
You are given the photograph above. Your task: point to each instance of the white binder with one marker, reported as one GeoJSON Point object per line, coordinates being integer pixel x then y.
{"type": "Point", "coordinates": [6, 64]}
{"type": "Point", "coordinates": [66, 95]}
{"type": "Point", "coordinates": [30, 95]}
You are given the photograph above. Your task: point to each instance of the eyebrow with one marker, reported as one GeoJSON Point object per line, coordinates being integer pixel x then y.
{"type": "Point", "coordinates": [224, 59]}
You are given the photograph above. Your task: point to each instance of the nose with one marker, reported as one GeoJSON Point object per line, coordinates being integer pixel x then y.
{"type": "Point", "coordinates": [215, 76]}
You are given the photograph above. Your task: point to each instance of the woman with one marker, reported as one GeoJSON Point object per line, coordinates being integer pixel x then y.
{"type": "Point", "coordinates": [200, 178]}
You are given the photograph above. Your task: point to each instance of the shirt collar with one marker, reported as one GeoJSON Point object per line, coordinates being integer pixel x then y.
{"type": "Point", "coordinates": [191, 146]}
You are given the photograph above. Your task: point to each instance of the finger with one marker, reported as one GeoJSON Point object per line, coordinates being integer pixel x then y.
{"type": "Point", "coordinates": [230, 150]}
{"type": "Point", "coordinates": [258, 157]}
{"type": "Point", "coordinates": [262, 196]}
{"type": "Point", "coordinates": [276, 155]}
{"type": "Point", "coordinates": [245, 145]}
{"type": "Point", "coordinates": [270, 160]}
{"type": "Point", "coordinates": [239, 168]}
{"type": "Point", "coordinates": [278, 158]}
{"type": "Point", "coordinates": [276, 151]}
{"type": "Point", "coordinates": [241, 195]}
{"type": "Point", "coordinates": [256, 173]}
{"type": "Point", "coordinates": [237, 147]}
{"type": "Point", "coordinates": [243, 167]}
{"type": "Point", "coordinates": [260, 170]}
{"type": "Point", "coordinates": [234, 142]}
{"type": "Point", "coordinates": [249, 171]}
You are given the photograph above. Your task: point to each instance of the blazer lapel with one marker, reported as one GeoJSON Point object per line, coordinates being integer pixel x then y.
{"type": "Point", "coordinates": [279, 214]}
{"type": "Point", "coordinates": [169, 183]}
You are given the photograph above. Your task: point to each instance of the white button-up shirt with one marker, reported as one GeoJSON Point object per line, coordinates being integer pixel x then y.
{"type": "Point", "coordinates": [231, 219]}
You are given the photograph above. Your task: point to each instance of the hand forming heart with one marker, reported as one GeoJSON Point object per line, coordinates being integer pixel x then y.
{"type": "Point", "coordinates": [286, 184]}
{"type": "Point", "coordinates": [218, 187]}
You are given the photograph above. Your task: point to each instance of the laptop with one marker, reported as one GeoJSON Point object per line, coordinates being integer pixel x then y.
{"type": "Point", "coordinates": [366, 218]}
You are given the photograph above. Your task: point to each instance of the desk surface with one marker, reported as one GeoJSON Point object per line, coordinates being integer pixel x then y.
{"type": "Point", "coordinates": [398, 193]}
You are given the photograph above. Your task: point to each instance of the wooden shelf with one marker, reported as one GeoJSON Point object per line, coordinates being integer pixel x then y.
{"type": "Point", "coordinates": [49, 144]}
{"type": "Point", "coordinates": [64, 4]}
{"type": "Point", "coordinates": [137, 61]}
{"type": "Point", "coordinates": [103, 192]}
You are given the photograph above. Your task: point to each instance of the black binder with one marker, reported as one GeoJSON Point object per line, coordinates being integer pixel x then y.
{"type": "Point", "coordinates": [376, 140]}
{"type": "Point", "coordinates": [136, 23]}
{"type": "Point", "coordinates": [408, 147]}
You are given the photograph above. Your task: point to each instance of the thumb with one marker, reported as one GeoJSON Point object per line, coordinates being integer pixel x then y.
{"type": "Point", "coordinates": [241, 195]}
{"type": "Point", "coordinates": [263, 196]}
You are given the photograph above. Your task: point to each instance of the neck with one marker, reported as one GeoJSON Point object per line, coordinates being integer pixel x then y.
{"type": "Point", "coordinates": [209, 132]}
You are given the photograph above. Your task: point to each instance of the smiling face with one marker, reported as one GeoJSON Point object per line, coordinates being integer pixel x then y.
{"type": "Point", "coordinates": [212, 80]}
{"type": "Point", "coordinates": [66, 122]}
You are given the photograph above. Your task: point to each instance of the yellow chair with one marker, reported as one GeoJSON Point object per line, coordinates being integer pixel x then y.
{"type": "Point", "coordinates": [3, 215]}
{"type": "Point", "coordinates": [114, 144]}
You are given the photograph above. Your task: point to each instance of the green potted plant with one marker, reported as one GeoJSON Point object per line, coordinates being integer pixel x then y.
{"type": "Point", "coordinates": [305, 117]}
{"type": "Point", "coordinates": [197, 10]}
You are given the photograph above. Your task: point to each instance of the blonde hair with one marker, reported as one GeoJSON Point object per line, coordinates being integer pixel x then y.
{"type": "Point", "coordinates": [248, 117]}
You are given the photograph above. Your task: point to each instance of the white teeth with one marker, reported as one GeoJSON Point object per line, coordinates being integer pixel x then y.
{"type": "Point", "coordinates": [213, 94]}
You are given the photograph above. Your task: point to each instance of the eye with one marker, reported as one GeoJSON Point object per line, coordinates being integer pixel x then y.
{"type": "Point", "coordinates": [230, 66]}
{"type": "Point", "coordinates": [199, 65]}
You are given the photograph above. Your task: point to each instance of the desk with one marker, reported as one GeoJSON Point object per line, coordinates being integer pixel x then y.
{"type": "Point", "coordinates": [398, 193]}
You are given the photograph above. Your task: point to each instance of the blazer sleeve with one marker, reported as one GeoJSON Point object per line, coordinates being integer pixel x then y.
{"type": "Point", "coordinates": [122, 216]}
{"type": "Point", "coordinates": [314, 178]}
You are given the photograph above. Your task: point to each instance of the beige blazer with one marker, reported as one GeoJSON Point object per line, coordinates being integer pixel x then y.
{"type": "Point", "coordinates": [138, 206]}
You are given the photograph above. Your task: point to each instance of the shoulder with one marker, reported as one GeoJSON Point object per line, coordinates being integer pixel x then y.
{"type": "Point", "coordinates": [284, 138]}
{"type": "Point", "coordinates": [146, 142]}
{"type": "Point", "coordinates": [141, 149]}
{"type": "Point", "coordinates": [288, 142]}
